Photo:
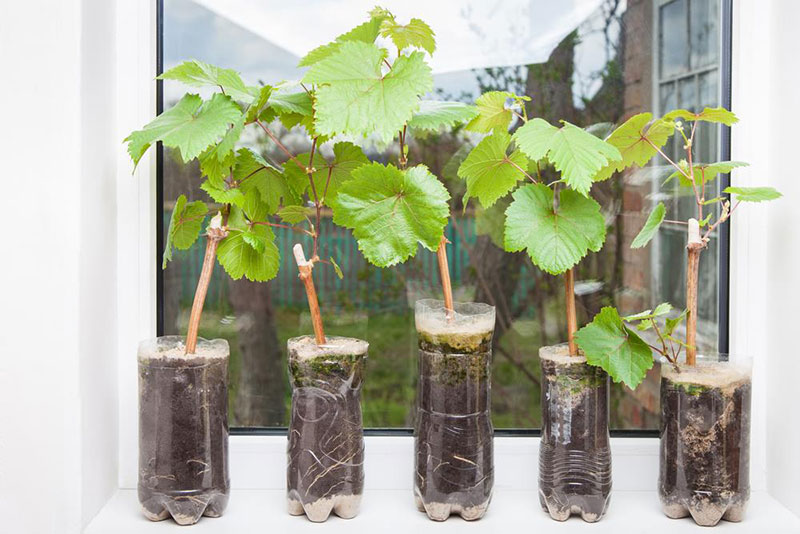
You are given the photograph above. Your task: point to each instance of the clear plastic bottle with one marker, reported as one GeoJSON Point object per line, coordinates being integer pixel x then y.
{"type": "Point", "coordinates": [574, 453]}
{"type": "Point", "coordinates": [325, 469]}
{"type": "Point", "coordinates": [454, 466]}
{"type": "Point", "coordinates": [183, 429]}
{"type": "Point", "coordinates": [704, 468]}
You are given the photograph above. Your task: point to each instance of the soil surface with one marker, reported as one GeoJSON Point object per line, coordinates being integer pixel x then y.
{"type": "Point", "coordinates": [183, 430]}
{"type": "Point", "coordinates": [453, 432]}
{"type": "Point", "coordinates": [574, 455]}
{"type": "Point", "coordinates": [705, 444]}
{"type": "Point", "coordinates": [326, 439]}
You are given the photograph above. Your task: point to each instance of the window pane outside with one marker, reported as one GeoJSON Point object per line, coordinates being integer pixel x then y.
{"type": "Point", "coordinates": [600, 69]}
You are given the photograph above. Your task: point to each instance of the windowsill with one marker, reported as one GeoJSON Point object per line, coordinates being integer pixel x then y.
{"type": "Point", "coordinates": [394, 510]}
{"type": "Point", "coordinates": [258, 471]}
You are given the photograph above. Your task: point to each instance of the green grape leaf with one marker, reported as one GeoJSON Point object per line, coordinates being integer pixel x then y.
{"type": "Point", "coordinates": [719, 114]}
{"type": "Point", "coordinates": [198, 74]}
{"type": "Point", "coordinates": [284, 103]}
{"type": "Point", "coordinates": [184, 226]}
{"type": "Point", "coordinates": [492, 112]}
{"type": "Point", "coordinates": [259, 104]}
{"type": "Point", "coordinates": [356, 98]}
{"type": "Point", "coordinates": [704, 172]}
{"type": "Point", "coordinates": [661, 309]}
{"type": "Point", "coordinates": [297, 176]}
{"type": "Point", "coordinates": [534, 138]}
{"type": "Point", "coordinates": [390, 211]}
{"type": "Point", "coordinates": [254, 172]}
{"type": "Point", "coordinates": [609, 344]}
{"type": "Point", "coordinates": [295, 214]}
{"type": "Point", "coordinates": [365, 33]}
{"type": "Point", "coordinates": [190, 126]}
{"type": "Point", "coordinates": [347, 157]}
{"type": "Point", "coordinates": [633, 140]}
{"type": "Point", "coordinates": [650, 227]}
{"type": "Point", "coordinates": [706, 220]}
{"type": "Point", "coordinates": [555, 240]}
{"type": "Point", "coordinates": [489, 171]}
{"type": "Point", "coordinates": [416, 34]}
{"type": "Point", "coordinates": [238, 252]}
{"type": "Point", "coordinates": [435, 114]}
{"type": "Point", "coordinates": [255, 239]}
{"type": "Point", "coordinates": [216, 161]}
{"type": "Point", "coordinates": [223, 195]}
{"type": "Point", "coordinates": [672, 323]}
{"type": "Point", "coordinates": [214, 168]}
{"type": "Point", "coordinates": [753, 194]}
{"type": "Point", "coordinates": [337, 268]}
{"type": "Point", "coordinates": [254, 207]}
{"type": "Point", "coordinates": [578, 156]}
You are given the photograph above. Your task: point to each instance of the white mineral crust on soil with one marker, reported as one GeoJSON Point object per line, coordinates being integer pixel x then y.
{"type": "Point", "coordinates": [306, 348]}
{"type": "Point", "coordinates": [560, 354]}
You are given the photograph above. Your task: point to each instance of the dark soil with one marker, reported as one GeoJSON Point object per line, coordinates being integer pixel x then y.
{"type": "Point", "coordinates": [574, 454]}
{"type": "Point", "coordinates": [453, 433]}
{"type": "Point", "coordinates": [705, 450]}
{"type": "Point", "coordinates": [183, 438]}
{"type": "Point", "coordinates": [326, 440]}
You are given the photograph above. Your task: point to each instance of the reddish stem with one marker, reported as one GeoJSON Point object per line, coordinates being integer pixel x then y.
{"type": "Point", "coordinates": [305, 268]}
{"type": "Point", "coordinates": [444, 274]}
{"type": "Point", "coordinates": [572, 318]}
{"type": "Point", "coordinates": [215, 234]}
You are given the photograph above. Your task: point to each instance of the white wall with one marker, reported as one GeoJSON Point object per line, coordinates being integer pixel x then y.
{"type": "Point", "coordinates": [765, 239]}
{"type": "Point", "coordinates": [58, 421]}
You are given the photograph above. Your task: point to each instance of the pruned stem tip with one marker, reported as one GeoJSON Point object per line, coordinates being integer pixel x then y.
{"type": "Point", "coordinates": [305, 267]}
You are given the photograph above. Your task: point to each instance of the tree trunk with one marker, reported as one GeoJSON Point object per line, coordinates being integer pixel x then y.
{"type": "Point", "coordinates": [260, 384]}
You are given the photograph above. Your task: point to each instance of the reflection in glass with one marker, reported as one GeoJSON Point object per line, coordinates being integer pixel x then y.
{"type": "Point", "coordinates": [672, 32]}
{"type": "Point", "coordinates": [704, 24]}
{"type": "Point", "coordinates": [585, 61]}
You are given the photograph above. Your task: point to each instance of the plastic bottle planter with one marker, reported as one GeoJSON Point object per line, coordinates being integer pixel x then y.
{"type": "Point", "coordinates": [326, 438]}
{"type": "Point", "coordinates": [574, 453]}
{"type": "Point", "coordinates": [183, 429]}
{"type": "Point", "coordinates": [705, 440]}
{"type": "Point", "coordinates": [453, 433]}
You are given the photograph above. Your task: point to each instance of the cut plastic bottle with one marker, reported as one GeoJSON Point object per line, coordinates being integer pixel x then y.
{"type": "Point", "coordinates": [574, 453]}
{"type": "Point", "coordinates": [454, 466]}
{"type": "Point", "coordinates": [704, 468]}
{"type": "Point", "coordinates": [325, 470]}
{"type": "Point", "coordinates": [183, 429]}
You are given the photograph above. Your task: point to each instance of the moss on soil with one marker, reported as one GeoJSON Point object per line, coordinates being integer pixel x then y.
{"type": "Point", "coordinates": [455, 343]}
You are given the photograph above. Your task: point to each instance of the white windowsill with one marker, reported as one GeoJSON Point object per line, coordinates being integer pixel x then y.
{"type": "Point", "coordinates": [258, 471]}
{"type": "Point", "coordinates": [394, 511]}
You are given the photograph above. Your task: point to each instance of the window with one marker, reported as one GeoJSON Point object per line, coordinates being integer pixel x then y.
{"type": "Point", "coordinates": [688, 74]}
{"type": "Point", "coordinates": [592, 61]}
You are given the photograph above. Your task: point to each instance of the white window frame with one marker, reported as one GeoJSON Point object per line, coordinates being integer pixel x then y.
{"type": "Point", "coordinates": [257, 462]}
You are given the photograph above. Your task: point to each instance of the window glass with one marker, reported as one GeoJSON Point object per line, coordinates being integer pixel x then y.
{"type": "Point", "coordinates": [672, 33]}
{"type": "Point", "coordinates": [586, 61]}
{"type": "Point", "coordinates": [704, 34]}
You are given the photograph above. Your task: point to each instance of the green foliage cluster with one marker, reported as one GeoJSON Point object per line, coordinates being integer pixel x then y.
{"type": "Point", "coordinates": [367, 83]}
{"type": "Point", "coordinates": [558, 223]}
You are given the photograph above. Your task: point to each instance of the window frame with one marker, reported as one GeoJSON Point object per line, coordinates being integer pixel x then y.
{"type": "Point", "coordinates": [723, 297]}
